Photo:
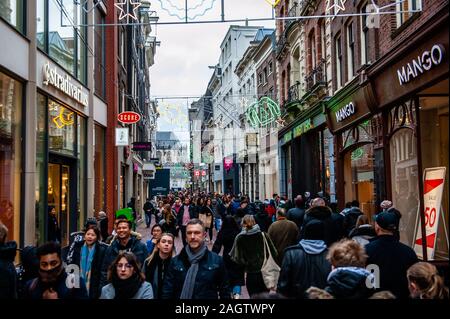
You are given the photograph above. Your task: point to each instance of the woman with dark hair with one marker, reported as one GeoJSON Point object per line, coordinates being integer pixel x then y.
{"type": "Point", "coordinates": [126, 280]}
{"type": "Point", "coordinates": [168, 222]}
{"type": "Point", "coordinates": [226, 236]}
{"type": "Point", "coordinates": [156, 264]}
{"type": "Point", "coordinates": [156, 235]}
{"type": "Point", "coordinates": [207, 217]}
{"type": "Point", "coordinates": [88, 255]}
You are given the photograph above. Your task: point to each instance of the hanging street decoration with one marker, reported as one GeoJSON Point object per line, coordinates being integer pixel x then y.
{"type": "Point", "coordinates": [334, 6]}
{"type": "Point", "coordinates": [263, 112]}
{"type": "Point", "coordinates": [273, 3]}
{"type": "Point", "coordinates": [183, 13]}
{"type": "Point", "coordinates": [128, 9]}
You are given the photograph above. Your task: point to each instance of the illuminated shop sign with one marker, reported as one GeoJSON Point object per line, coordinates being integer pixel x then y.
{"type": "Point", "coordinates": [345, 112]}
{"type": "Point", "coordinates": [64, 84]}
{"type": "Point", "coordinates": [422, 64]}
{"type": "Point", "coordinates": [303, 128]}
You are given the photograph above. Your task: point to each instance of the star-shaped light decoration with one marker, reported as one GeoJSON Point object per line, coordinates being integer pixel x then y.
{"type": "Point", "coordinates": [125, 11]}
{"type": "Point", "coordinates": [281, 122]}
{"type": "Point", "coordinates": [336, 6]}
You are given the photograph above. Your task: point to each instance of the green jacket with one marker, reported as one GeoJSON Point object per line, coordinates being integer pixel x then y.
{"type": "Point", "coordinates": [248, 251]}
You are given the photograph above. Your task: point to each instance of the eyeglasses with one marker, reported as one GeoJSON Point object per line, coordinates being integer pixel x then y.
{"type": "Point", "coordinates": [120, 266]}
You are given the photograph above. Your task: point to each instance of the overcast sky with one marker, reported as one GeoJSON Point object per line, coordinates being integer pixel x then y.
{"type": "Point", "coordinates": [186, 51]}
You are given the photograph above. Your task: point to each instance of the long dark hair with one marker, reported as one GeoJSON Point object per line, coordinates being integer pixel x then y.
{"type": "Point", "coordinates": [131, 259]}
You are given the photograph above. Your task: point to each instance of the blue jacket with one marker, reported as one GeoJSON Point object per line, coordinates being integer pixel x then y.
{"type": "Point", "coordinates": [211, 281]}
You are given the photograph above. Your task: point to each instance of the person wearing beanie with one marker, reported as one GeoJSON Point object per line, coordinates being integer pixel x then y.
{"type": "Point", "coordinates": [305, 264]}
{"type": "Point", "coordinates": [391, 256]}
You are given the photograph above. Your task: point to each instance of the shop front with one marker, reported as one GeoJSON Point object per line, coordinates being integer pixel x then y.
{"type": "Point", "coordinates": [61, 146]}
{"type": "Point", "coordinates": [357, 150]}
{"type": "Point", "coordinates": [411, 87]}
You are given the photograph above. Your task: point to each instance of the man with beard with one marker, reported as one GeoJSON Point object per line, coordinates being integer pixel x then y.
{"type": "Point", "coordinates": [53, 281]}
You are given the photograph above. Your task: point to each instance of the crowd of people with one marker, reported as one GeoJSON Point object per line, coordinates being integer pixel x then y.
{"type": "Point", "coordinates": [300, 248]}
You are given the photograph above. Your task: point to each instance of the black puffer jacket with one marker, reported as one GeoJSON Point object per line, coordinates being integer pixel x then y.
{"type": "Point", "coordinates": [74, 257]}
{"type": "Point", "coordinates": [350, 218]}
{"type": "Point", "coordinates": [302, 268]}
{"type": "Point", "coordinates": [8, 276]}
{"type": "Point", "coordinates": [323, 214]}
{"type": "Point", "coordinates": [211, 281]}
{"type": "Point", "coordinates": [349, 283]}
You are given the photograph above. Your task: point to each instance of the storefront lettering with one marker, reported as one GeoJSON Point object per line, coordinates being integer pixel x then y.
{"type": "Point", "coordinates": [420, 65]}
{"type": "Point", "coordinates": [345, 112]}
{"type": "Point", "coordinates": [63, 83]}
{"type": "Point", "coordinates": [303, 128]}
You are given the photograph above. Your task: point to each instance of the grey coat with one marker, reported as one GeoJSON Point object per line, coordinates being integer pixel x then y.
{"type": "Point", "coordinates": [145, 292]}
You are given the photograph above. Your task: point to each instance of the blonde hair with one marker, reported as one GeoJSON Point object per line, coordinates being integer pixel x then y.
{"type": "Point", "coordinates": [248, 221]}
{"type": "Point", "coordinates": [362, 220]}
{"type": "Point", "coordinates": [317, 293]}
{"type": "Point", "coordinates": [347, 253]}
{"type": "Point", "coordinates": [156, 249]}
{"type": "Point", "coordinates": [386, 294]}
{"type": "Point", "coordinates": [426, 277]}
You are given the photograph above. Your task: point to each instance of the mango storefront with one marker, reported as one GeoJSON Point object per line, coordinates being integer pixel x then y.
{"type": "Point", "coordinates": [411, 87]}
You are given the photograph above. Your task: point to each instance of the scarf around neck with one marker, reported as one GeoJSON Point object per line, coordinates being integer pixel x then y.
{"type": "Point", "coordinates": [189, 282]}
{"type": "Point", "coordinates": [87, 255]}
{"type": "Point", "coordinates": [126, 289]}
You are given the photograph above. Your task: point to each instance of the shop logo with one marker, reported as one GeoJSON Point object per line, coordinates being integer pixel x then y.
{"type": "Point", "coordinates": [129, 117]}
{"type": "Point", "coordinates": [423, 63]}
{"type": "Point", "coordinates": [63, 83]}
{"type": "Point", "coordinates": [345, 112]}
{"type": "Point", "coordinates": [64, 119]}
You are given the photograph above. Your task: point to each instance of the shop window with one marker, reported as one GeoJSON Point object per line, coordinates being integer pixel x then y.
{"type": "Point", "coordinates": [13, 11]}
{"type": "Point", "coordinates": [434, 145]}
{"type": "Point", "coordinates": [99, 169]}
{"type": "Point", "coordinates": [404, 181]}
{"type": "Point", "coordinates": [10, 154]}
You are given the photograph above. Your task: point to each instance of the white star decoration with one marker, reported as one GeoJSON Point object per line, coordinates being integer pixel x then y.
{"type": "Point", "coordinates": [337, 5]}
{"type": "Point", "coordinates": [281, 122]}
{"type": "Point", "coordinates": [124, 12]}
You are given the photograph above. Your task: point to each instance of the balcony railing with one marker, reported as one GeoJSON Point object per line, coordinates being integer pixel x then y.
{"type": "Point", "coordinates": [317, 76]}
{"type": "Point", "coordinates": [293, 93]}
{"type": "Point", "coordinates": [292, 13]}
{"type": "Point", "coordinates": [281, 44]}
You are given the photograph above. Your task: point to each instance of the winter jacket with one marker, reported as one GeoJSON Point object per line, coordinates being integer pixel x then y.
{"type": "Point", "coordinates": [393, 258]}
{"type": "Point", "coordinates": [350, 217]}
{"type": "Point", "coordinates": [211, 281]}
{"type": "Point", "coordinates": [248, 251]}
{"type": "Point", "coordinates": [304, 265]}
{"type": "Point", "coordinates": [224, 211]}
{"type": "Point", "coordinates": [296, 215]}
{"type": "Point", "coordinates": [103, 225]}
{"type": "Point", "coordinates": [35, 288]}
{"type": "Point", "coordinates": [323, 214]}
{"type": "Point", "coordinates": [145, 292]}
{"type": "Point", "coordinates": [74, 257]}
{"type": "Point", "coordinates": [349, 283]}
{"type": "Point", "coordinates": [134, 245]}
{"type": "Point", "coordinates": [363, 234]}
{"type": "Point", "coordinates": [157, 266]}
{"type": "Point", "coordinates": [8, 276]}
{"type": "Point", "coordinates": [192, 214]}
{"type": "Point", "coordinates": [283, 233]}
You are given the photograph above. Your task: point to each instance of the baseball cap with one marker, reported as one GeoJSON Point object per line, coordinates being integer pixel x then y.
{"type": "Point", "coordinates": [387, 220]}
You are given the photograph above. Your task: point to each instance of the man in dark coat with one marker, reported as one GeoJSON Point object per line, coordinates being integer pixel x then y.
{"type": "Point", "coordinates": [305, 265]}
{"type": "Point", "coordinates": [53, 281]}
{"type": "Point", "coordinates": [148, 210]}
{"type": "Point", "coordinates": [323, 213]}
{"type": "Point", "coordinates": [392, 257]}
{"type": "Point", "coordinates": [284, 233]}
{"type": "Point", "coordinates": [8, 276]}
{"type": "Point", "coordinates": [196, 273]}
{"type": "Point", "coordinates": [123, 242]}
{"type": "Point", "coordinates": [297, 214]}
{"type": "Point", "coordinates": [350, 217]}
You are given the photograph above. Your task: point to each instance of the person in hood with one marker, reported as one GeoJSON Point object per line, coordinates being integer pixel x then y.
{"type": "Point", "coordinates": [348, 278]}
{"type": "Point", "coordinates": [126, 281]}
{"type": "Point", "coordinates": [52, 282]}
{"type": "Point", "coordinates": [248, 252]}
{"type": "Point", "coordinates": [8, 276]}
{"type": "Point", "coordinates": [363, 232]}
{"type": "Point", "coordinates": [123, 242]}
{"type": "Point", "coordinates": [305, 264]}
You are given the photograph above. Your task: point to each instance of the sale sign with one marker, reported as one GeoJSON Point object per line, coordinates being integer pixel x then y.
{"type": "Point", "coordinates": [434, 179]}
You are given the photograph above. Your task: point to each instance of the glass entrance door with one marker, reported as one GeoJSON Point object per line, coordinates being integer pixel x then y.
{"type": "Point", "coordinates": [59, 203]}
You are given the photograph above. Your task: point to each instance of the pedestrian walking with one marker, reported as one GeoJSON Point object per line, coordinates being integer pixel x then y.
{"type": "Point", "coordinates": [156, 265]}
{"type": "Point", "coordinates": [424, 282]}
{"type": "Point", "coordinates": [168, 222]}
{"type": "Point", "coordinates": [156, 235]}
{"type": "Point", "coordinates": [283, 233]}
{"type": "Point", "coordinates": [207, 217]}
{"type": "Point", "coordinates": [363, 232]}
{"type": "Point", "coordinates": [196, 273]}
{"type": "Point", "coordinates": [88, 255]}
{"type": "Point", "coordinates": [148, 211]}
{"type": "Point", "coordinates": [126, 281]}
{"type": "Point", "coordinates": [187, 212]}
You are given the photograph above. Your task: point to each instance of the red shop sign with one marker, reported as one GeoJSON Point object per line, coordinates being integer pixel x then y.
{"type": "Point", "coordinates": [129, 117]}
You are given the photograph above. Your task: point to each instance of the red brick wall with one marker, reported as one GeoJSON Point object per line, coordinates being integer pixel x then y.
{"type": "Point", "coordinates": [389, 38]}
{"type": "Point", "coordinates": [111, 45]}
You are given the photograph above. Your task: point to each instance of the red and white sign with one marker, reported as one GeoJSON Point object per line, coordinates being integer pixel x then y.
{"type": "Point", "coordinates": [203, 173]}
{"type": "Point", "coordinates": [197, 173]}
{"type": "Point", "coordinates": [129, 117]}
{"type": "Point", "coordinates": [433, 183]}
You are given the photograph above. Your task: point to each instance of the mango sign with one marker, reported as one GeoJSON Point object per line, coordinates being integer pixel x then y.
{"type": "Point", "coordinates": [129, 117]}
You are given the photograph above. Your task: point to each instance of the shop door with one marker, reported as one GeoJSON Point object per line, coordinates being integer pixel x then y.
{"type": "Point", "coordinates": [62, 192]}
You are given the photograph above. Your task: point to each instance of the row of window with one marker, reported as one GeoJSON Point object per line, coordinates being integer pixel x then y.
{"type": "Point", "coordinates": [265, 73]}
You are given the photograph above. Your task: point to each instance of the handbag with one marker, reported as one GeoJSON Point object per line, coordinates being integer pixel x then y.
{"type": "Point", "coordinates": [270, 270]}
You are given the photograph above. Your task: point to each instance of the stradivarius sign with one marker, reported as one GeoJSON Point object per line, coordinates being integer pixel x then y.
{"type": "Point", "coordinates": [64, 84]}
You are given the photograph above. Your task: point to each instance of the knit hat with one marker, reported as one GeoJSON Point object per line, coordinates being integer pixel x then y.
{"type": "Point", "coordinates": [387, 220]}
{"type": "Point", "coordinates": [314, 230]}
{"type": "Point", "coordinates": [90, 221]}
